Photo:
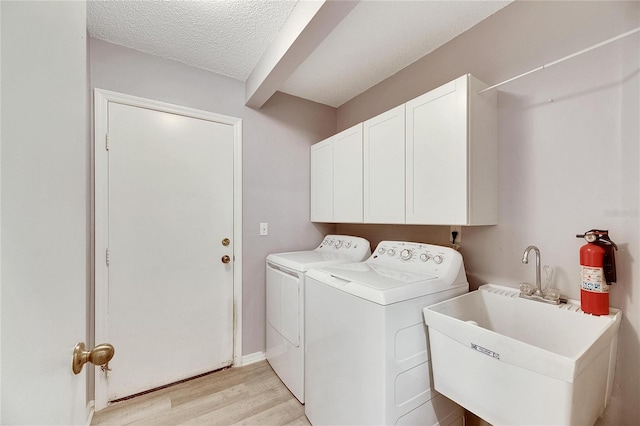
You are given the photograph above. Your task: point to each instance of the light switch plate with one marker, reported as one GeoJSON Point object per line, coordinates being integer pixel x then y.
{"type": "Point", "coordinates": [264, 228]}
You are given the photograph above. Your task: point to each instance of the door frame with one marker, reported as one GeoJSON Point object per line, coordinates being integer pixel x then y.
{"type": "Point", "coordinates": [100, 197]}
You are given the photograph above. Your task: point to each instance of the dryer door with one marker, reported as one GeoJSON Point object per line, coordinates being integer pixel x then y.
{"type": "Point", "coordinates": [283, 310]}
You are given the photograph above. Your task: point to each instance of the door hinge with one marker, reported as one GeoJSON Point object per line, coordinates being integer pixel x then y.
{"type": "Point", "coordinates": [106, 143]}
{"type": "Point", "coordinates": [107, 257]}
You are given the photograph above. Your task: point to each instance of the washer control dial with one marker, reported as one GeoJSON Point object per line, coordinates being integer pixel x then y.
{"type": "Point", "coordinates": [424, 257]}
{"type": "Point", "coordinates": [438, 259]}
{"type": "Point", "coordinates": [381, 250]}
{"type": "Point", "coordinates": [391, 252]}
{"type": "Point", "coordinates": [338, 244]}
{"type": "Point", "coordinates": [405, 254]}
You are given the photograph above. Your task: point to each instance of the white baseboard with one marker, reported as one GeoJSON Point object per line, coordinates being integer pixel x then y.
{"type": "Point", "coordinates": [251, 358]}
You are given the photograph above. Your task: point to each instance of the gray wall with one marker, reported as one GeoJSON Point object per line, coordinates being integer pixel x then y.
{"type": "Point", "coordinates": [275, 156]}
{"type": "Point", "coordinates": [568, 152]}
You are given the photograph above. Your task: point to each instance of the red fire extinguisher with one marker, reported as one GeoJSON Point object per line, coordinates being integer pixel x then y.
{"type": "Point", "coordinates": [598, 271]}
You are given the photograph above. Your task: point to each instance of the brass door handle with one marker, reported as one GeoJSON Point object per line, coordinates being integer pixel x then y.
{"type": "Point", "coordinates": [100, 355]}
{"type": "Point", "coordinates": [226, 259]}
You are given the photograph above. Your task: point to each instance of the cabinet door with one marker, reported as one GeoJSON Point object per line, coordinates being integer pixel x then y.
{"type": "Point", "coordinates": [384, 168]}
{"type": "Point", "coordinates": [347, 175]}
{"type": "Point", "coordinates": [322, 181]}
{"type": "Point", "coordinates": [437, 157]}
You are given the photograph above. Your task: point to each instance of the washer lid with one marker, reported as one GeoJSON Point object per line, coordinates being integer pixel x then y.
{"type": "Point", "coordinates": [380, 284]}
{"type": "Point", "coordinates": [302, 261]}
{"type": "Point", "coordinates": [377, 276]}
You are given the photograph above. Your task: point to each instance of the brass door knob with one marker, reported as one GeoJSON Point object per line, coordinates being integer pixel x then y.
{"type": "Point", "coordinates": [100, 355]}
{"type": "Point", "coordinates": [226, 259]}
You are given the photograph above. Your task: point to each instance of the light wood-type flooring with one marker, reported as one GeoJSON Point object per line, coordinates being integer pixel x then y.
{"type": "Point", "coordinates": [250, 395]}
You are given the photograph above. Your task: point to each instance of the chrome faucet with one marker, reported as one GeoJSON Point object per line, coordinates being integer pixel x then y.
{"type": "Point", "coordinates": [525, 259]}
{"type": "Point", "coordinates": [550, 295]}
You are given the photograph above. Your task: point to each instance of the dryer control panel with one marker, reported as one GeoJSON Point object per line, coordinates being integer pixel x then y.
{"type": "Point", "coordinates": [346, 244]}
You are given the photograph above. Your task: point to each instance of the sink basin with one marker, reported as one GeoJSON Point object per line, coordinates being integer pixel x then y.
{"type": "Point", "coordinates": [514, 361]}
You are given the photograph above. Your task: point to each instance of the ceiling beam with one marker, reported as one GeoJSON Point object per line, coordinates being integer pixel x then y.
{"type": "Point", "coordinates": [308, 25]}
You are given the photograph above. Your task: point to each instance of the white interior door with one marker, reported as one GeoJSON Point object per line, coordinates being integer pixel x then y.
{"type": "Point", "coordinates": [44, 213]}
{"type": "Point", "coordinates": [169, 296]}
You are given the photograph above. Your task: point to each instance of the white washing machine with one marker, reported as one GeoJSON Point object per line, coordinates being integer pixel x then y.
{"type": "Point", "coordinates": [285, 302]}
{"type": "Point", "coordinates": [367, 361]}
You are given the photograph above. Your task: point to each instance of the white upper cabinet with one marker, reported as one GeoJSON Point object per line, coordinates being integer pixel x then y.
{"type": "Point", "coordinates": [384, 167]}
{"type": "Point", "coordinates": [431, 161]}
{"type": "Point", "coordinates": [336, 178]}
{"type": "Point", "coordinates": [322, 181]}
{"type": "Point", "coordinates": [347, 175]}
{"type": "Point", "coordinates": [451, 162]}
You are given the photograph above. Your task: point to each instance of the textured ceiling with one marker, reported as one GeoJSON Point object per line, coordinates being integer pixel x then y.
{"type": "Point", "coordinates": [228, 37]}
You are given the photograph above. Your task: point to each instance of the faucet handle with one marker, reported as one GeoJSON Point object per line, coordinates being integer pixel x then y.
{"type": "Point", "coordinates": [548, 277]}
{"type": "Point", "coordinates": [526, 288]}
{"type": "Point", "coordinates": [551, 293]}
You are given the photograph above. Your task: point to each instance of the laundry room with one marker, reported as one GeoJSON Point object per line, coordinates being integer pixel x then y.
{"type": "Point", "coordinates": [566, 161]}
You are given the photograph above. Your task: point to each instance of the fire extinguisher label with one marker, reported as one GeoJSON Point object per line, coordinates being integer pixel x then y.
{"type": "Point", "coordinates": [593, 280]}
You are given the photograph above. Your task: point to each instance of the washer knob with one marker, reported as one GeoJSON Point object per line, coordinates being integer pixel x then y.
{"type": "Point", "coordinates": [405, 254]}
{"type": "Point", "coordinates": [438, 259]}
{"type": "Point", "coordinates": [347, 244]}
{"type": "Point", "coordinates": [381, 250]}
{"type": "Point", "coordinates": [391, 252]}
{"type": "Point", "coordinates": [424, 257]}
{"type": "Point", "coordinates": [338, 244]}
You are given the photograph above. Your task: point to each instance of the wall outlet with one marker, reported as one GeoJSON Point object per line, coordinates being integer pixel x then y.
{"type": "Point", "coordinates": [457, 229]}
{"type": "Point", "coordinates": [264, 228]}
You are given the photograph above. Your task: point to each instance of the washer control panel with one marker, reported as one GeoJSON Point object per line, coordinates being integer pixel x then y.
{"type": "Point", "coordinates": [413, 255]}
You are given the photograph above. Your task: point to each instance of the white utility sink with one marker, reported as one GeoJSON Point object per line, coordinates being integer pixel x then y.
{"type": "Point", "coordinates": [514, 361]}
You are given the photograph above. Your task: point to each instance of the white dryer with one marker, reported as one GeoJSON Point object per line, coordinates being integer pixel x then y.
{"type": "Point", "coordinates": [286, 274]}
{"type": "Point", "coordinates": [367, 361]}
